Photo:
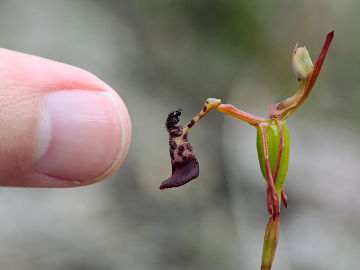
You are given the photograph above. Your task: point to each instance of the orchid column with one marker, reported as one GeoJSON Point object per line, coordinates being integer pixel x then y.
{"type": "Point", "coordinates": [273, 142]}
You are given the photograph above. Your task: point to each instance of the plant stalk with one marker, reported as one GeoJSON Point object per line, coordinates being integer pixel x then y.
{"type": "Point", "coordinates": [270, 242]}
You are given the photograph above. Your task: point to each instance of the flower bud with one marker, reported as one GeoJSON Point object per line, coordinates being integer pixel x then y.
{"type": "Point", "coordinates": [301, 62]}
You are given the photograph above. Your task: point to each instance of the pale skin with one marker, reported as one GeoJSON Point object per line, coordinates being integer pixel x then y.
{"type": "Point", "coordinates": [60, 159]}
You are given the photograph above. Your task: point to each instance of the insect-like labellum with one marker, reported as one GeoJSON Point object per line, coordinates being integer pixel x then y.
{"type": "Point", "coordinates": [272, 142]}
{"type": "Point", "coordinates": [185, 166]}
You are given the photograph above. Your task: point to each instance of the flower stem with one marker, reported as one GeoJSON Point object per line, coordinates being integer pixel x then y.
{"type": "Point", "coordinates": [237, 113]}
{"type": "Point", "coordinates": [270, 242]}
{"type": "Point", "coordinates": [272, 200]}
{"type": "Point", "coordinates": [210, 104]}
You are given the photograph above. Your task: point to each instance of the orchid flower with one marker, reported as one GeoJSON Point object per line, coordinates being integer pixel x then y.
{"type": "Point", "coordinates": [273, 142]}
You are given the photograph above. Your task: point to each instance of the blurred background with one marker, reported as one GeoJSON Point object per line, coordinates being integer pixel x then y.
{"type": "Point", "coordinates": [162, 55]}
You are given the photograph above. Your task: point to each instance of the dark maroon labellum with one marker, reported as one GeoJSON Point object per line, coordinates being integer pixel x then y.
{"type": "Point", "coordinates": [182, 172]}
{"type": "Point", "coordinates": [185, 166]}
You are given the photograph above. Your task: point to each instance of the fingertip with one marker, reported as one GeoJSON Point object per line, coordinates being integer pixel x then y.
{"type": "Point", "coordinates": [83, 135]}
{"type": "Point", "coordinates": [73, 129]}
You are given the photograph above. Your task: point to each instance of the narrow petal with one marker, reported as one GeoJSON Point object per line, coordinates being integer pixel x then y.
{"type": "Point", "coordinates": [318, 65]}
{"type": "Point", "coordinates": [284, 109]}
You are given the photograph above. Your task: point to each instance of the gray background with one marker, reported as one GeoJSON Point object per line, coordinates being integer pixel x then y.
{"type": "Point", "coordinates": [165, 54]}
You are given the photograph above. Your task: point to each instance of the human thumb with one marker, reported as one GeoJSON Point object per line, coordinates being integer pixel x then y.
{"type": "Point", "coordinates": [60, 126]}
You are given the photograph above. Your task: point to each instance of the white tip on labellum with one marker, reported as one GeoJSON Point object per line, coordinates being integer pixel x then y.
{"type": "Point", "coordinates": [301, 62]}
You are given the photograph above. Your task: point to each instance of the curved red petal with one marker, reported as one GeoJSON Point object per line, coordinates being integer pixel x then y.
{"type": "Point", "coordinates": [318, 65]}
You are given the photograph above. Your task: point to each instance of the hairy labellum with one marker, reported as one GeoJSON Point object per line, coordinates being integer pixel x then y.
{"type": "Point", "coordinates": [185, 166]}
{"type": "Point", "coordinates": [172, 119]}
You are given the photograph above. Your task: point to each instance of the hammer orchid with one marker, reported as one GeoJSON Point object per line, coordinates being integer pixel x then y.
{"type": "Point", "coordinates": [273, 142]}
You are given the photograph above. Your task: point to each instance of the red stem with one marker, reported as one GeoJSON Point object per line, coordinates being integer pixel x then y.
{"type": "Point", "coordinates": [237, 113]}
{"type": "Point", "coordinates": [281, 149]}
{"type": "Point", "coordinates": [273, 202]}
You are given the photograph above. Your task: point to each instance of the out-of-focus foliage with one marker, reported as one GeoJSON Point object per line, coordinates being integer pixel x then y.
{"type": "Point", "coordinates": [165, 54]}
